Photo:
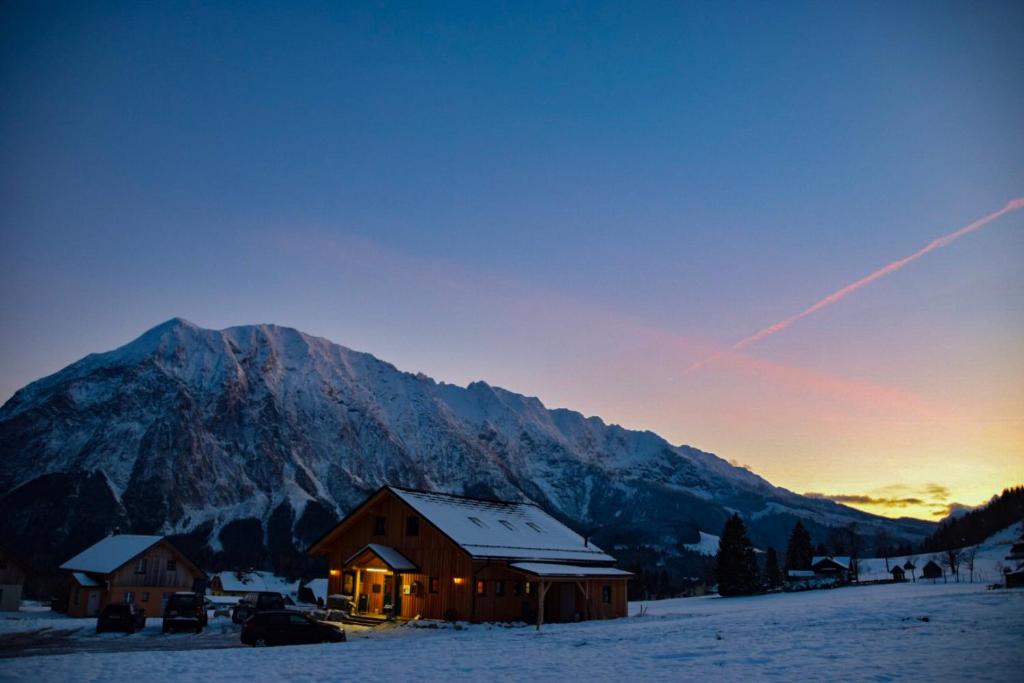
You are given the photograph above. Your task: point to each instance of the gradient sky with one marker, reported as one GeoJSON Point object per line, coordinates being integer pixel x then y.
{"type": "Point", "coordinates": [575, 201]}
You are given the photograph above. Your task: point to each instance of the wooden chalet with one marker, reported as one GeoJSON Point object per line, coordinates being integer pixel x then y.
{"type": "Point", "coordinates": [12, 581]}
{"type": "Point", "coordinates": [839, 568]}
{"type": "Point", "coordinates": [898, 573]}
{"type": "Point", "coordinates": [126, 568]}
{"type": "Point", "coordinates": [409, 554]}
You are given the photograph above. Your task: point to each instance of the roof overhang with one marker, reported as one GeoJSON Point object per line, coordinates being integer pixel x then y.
{"type": "Point", "coordinates": [568, 571]}
{"type": "Point", "coordinates": [391, 558]}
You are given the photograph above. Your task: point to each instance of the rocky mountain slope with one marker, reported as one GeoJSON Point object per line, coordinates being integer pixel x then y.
{"type": "Point", "coordinates": [248, 443]}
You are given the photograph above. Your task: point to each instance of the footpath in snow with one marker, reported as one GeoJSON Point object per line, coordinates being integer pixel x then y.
{"type": "Point", "coordinates": [901, 632]}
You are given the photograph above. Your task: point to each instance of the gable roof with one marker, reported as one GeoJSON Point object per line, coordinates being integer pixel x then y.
{"type": "Point", "coordinates": [110, 553]}
{"type": "Point", "coordinates": [841, 560]}
{"type": "Point", "coordinates": [501, 530]}
{"type": "Point", "coordinates": [244, 582]}
{"type": "Point", "coordinates": [395, 560]}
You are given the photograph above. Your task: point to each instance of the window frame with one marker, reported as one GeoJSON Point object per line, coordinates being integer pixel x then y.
{"type": "Point", "coordinates": [412, 525]}
{"type": "Point", "coordinates": [129, 597]}
{"type": "Point", "coordinates": [499, 588]}
{"type": "Point", "coordinates": [480, 588]}
{"type": "Point", "coordinates": [435, 585]}
{"type": "Point", "coordinates": [380, 525]}
{"type": "Point", "coordinates": [172, 565]}
{"type": "Point", "coordinates": [141, 565]}
{"type": "Point", "coordinates": [606, 594]}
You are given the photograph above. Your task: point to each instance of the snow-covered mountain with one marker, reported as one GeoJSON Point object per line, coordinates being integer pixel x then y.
{"type": "Point", "coordinates": [250, 442]}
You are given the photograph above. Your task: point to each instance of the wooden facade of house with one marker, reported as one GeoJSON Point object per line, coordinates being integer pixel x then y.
{"type": "Point", "coordinates": [416, 554]}
{"type": "Point", "coordinates": [144, 570]}
{"type": "Point", "coordinates": [12, 581]}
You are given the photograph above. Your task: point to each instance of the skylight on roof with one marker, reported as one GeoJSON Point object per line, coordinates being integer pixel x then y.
{"type": "Point", "coordinates": [535, 527]}
{"type": "Point", "coordinates": [507, 524]}
{"type": "Point", "coordinates": [479, 522]}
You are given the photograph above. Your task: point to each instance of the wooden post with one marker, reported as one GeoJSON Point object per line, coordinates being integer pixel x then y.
{"type": "Point", "coordinates": [541, 592]}
{"type": "Point", "coordinates": [355, 591]}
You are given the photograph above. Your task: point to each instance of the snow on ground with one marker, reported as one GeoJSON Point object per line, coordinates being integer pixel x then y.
{"type": "Point", "coordinates": [912, 631]}
{"type": "Point", "coordinates": [707, 545]}
{"type": "Point", "coordinates": [988, 561]}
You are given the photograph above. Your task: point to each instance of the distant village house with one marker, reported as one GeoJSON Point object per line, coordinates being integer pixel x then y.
{"type": "Point", "coordinates": [411, 553]}
{"type": "Point", "coordinates": [932, 571]}
{"type": "Point", "coordinates": [125, 568]}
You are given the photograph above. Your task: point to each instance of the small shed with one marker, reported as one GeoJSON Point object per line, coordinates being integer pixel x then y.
{"type": "Point", "coordinates": [932, 570]}
{"type": "Point", "coordinates": [898, 574]}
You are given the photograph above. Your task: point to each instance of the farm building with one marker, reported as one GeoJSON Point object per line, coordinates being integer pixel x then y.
{"type": "Point", "coordinates": [932, 570]}
{"type": "Point", "coordinates": [898, 573]}
{"type": "Point", "coordinates": [12, 581]}
{"type": "Point", "coordinates": [144, 570]}
{"type": "Point", "coordinates": [412, 553]}
{"type": "Point", "coordinates": [1015, 573]}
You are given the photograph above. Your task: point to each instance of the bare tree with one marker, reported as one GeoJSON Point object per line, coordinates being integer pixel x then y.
{"type": "Point", "coordinates": [950, 559]}
{"type": "Point", "coordinates": [968, 556]}
{"type": "Point", "coordinates": [883, 546]}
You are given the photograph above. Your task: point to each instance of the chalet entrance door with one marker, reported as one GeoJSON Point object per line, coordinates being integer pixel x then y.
{"type": "Point", "coordinates": [566, 602]}
{"type": "Point", "coordinates": [92, 605]}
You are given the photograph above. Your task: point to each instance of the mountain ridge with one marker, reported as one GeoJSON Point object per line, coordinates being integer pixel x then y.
{"type": "Point", "coordinates": [261, 435]}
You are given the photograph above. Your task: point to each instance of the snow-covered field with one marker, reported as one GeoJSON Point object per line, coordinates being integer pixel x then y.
{"type": "Point", "coordinates": [923, 631]}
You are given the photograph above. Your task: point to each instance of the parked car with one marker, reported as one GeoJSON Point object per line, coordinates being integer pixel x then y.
{"type": "Point", "coordinates": [286, 627]}
{"type": "Point", "coordinates": [254, 603]}
{"type": "Point", "coordinates": [118, 617]}
{"type": "Point", "coordinates": [185, 611]}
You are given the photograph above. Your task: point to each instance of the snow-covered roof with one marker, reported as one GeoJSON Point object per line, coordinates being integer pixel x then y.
{"type": "Point", "coordinates": [243, 582]}
{"type": "Point", "coordinates": [545, 569]}
{"type": "Point", "coordinates": [84, 579]}
{"type": "Point", "coordinates": [842, 560]}
{"type": "Point", "coordinates": [495, 529]}
{"type": "Point", "coordinates": [391, 557]}
{"type": "Point", "coordinates": [110, 553]}
{"type": "Point", "coordinates": [319, 588]}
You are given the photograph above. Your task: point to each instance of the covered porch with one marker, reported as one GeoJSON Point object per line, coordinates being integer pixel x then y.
{"type": "Point", "coordinates": [567, 593]}
{"type": "Point", "coordinates": [373, 577]}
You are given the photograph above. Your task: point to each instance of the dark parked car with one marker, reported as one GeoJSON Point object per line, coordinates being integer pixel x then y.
{"type": "Point", "coordinates": [125, 618]}
{"type": "Point", "coordinates": [185, 612]}
{"type": "Point", "coordinates": [285, 627]}
{"type": "Point", "coordinates": [254, 603]}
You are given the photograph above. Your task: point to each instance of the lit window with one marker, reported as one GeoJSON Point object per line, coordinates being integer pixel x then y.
{"type": "Point", "coordinates": [507, 524]}
{"type": "Point", "coordinates": [535, 527]}
{"type": "Point", "coordinates": [481, 587]}
{"type": "Point", "coordinates": [140, 566]}
{"type": "Point", "coordinates": [529, 587]}
{"type": "Point", "coordinates": [479, 522]}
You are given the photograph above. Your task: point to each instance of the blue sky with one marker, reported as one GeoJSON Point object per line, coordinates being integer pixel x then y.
{"type": "Point", "coordinates": [526, 193]}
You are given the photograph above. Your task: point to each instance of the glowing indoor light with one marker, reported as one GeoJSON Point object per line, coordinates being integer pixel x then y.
{"type": "Point", "coordinates": [458, 580]}
{"type": "Point", "coordinates": [377, 570]}
{"type": "Point", "coordinates": [335, 572]}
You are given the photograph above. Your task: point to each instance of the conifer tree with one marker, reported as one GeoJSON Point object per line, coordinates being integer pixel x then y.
{"type": "Point", "coordinates": [735, 564]}
{"type": "Point", "coordinates": [772, 573]}
{"type": "Point", "coordinates": [799, 552]}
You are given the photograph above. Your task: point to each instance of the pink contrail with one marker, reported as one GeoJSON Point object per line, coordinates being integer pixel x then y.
{"type": "Point", "coordinates": [851, 288]}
